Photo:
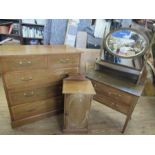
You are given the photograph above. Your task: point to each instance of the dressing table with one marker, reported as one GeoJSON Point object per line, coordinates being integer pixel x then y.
{"type": "Point", "coordinates": [118, 83]}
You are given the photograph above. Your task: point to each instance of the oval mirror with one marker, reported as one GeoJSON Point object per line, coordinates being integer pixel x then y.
{"type": "Point", "coordinates": [126, 43]}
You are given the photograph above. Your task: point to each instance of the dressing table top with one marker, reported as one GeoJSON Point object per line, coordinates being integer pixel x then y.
{"type": "Point", "coordinates": [118, 83]}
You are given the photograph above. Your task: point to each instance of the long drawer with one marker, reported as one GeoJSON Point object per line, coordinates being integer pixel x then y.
{"type": "Point", "coordinates": [63, 60]}
{"type": "Point", "coordinates": [34, 94]}
{"type": "Point", "coordinates": [112, 93]}
{"type": "Point", "coordinates": [29, 109]}
{"type": "Point", "coordinates": [15, 63]}
{"type": "Point", "coordinates": [114, 104]}
{"type": "Point", "coordinates": [35, 77]}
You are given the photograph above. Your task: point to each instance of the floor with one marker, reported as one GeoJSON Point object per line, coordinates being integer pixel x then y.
{"type": "Point", "coordinates": [103, 120]}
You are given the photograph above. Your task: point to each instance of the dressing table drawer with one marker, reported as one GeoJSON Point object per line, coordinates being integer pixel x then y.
{"type": "Point", "coordinates": [114, 104]}
{"type": "Point", "coordinates": [63, 60]}
{"type": "Point", "coordinates": [24, 62]}
{"type": "Point", "coordinates": [30, 109]}
{"type": "Point", "coordinates": [34, 94]}
{"type": "Point", "coordinates": [113, 93]}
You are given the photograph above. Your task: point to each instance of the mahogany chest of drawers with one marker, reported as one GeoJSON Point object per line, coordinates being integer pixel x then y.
{"type": "Point", "coordinates": [32, 77]}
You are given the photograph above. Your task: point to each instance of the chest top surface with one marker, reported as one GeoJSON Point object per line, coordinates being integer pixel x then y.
{"type": "Point", "coordinates": [14, 50]}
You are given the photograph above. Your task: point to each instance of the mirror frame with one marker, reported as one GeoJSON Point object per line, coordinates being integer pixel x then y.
{"type": "Point", "coordinates": [130, 29]}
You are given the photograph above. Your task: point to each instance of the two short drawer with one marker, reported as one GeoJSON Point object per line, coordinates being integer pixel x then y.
{"type": "Point", "coordinates": [59, 60]}
{"type": "Point", "coordinates": [31, 109]}
{"type": "Point", "coordinates": [113, 98]}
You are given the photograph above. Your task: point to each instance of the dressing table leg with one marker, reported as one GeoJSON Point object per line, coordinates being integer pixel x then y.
{"type": "Point", "coordinates": [126, 123]}
{"type": "Point", "coordinates": [129, 114]}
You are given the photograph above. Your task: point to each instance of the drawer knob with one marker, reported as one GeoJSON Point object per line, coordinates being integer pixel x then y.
{"type": "Point", "coordinates": [26, 79]}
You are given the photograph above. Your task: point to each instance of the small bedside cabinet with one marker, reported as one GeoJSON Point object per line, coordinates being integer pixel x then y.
{"type": "Point", "coordinates": [78, 94]}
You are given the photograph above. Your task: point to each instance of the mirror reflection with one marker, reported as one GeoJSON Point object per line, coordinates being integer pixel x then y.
{"type": "Point", "coordinates": [126, 43]}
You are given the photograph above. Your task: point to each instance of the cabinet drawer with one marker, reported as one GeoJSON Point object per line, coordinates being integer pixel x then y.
{"type": "Point", "coordinates": [29, 109]}
{"type": "Point", "coordinates": [24, 62]}
{"type": "Point", "coordinates": [113, 93]}
{"type": "Point", "coordinates": [63, 60]}
{"type": "Point", "coordinates": [114, 104]}
{"type": "Point", "coordinates": [35, 94]}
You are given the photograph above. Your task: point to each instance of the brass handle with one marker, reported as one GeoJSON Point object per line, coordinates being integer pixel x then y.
{"type": "Point", "coordinates": [115, 94]}
{"type": "Point", "coordinates": [112, 103]}
{"type": "Point", "coordinates": [64, 60]}
{"type": "Point", "coordinates": [25, 62]}
{"type": "Point", "coordinates": [26, 79]}
{"type": "Point", "coordinates": [29, 94]}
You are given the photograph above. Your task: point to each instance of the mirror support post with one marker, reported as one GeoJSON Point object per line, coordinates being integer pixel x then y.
{"type": "Point", "coordinates": [102, 45]}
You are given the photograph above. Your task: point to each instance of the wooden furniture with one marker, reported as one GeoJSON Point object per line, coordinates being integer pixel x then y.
{"type": "Point", "coordinates": [32, 77]}
{"type": "Point", "coordinates": [115, 92]}
{"type": "Point", "coordinates": [77, 102]}
{"type": "Point", "coordinates": [120, 71]}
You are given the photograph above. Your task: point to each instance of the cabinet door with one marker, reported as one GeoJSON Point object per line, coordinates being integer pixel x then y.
{"type": "Point", "coordinates": [77, 107]}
